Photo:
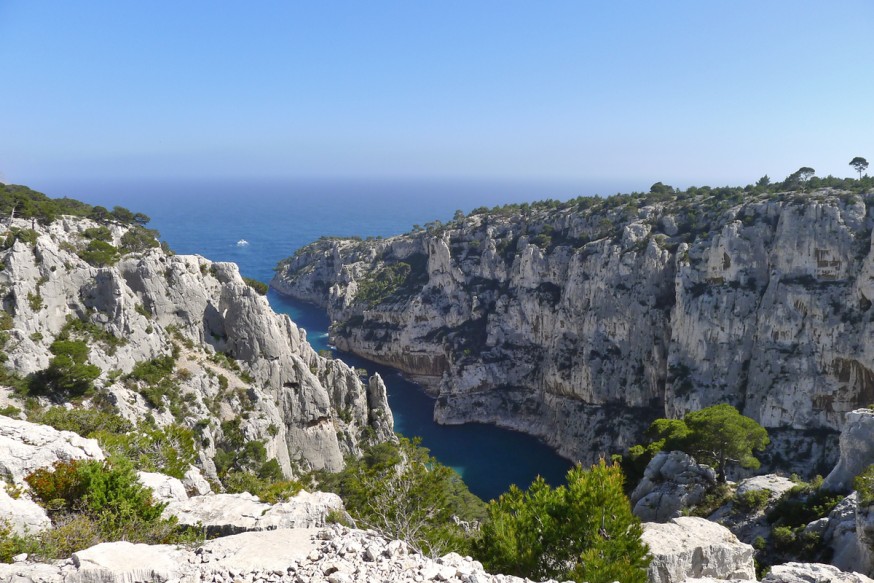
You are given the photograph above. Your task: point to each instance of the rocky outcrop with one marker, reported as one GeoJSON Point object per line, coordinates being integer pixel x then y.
{"type": "Point", "coordinates": [24, 516]}
{"type": "Point", "coordinates": [25, 447]}
{"type": "Point", "coordinates": [811, 573]}
{"type": "Point", "coordinates": [671, 482]}
{"type": "Point", "coordinates": [856, 450]}
{"type": "Point", "coordinates": [236, 358]}
{"type": "Point", "coordinates": [747, 516]}
{"type": "Point", "coordinates": [333, 555]}
{"type": "Point", "coordinates": [124, 562]}
{"type": "Point", "coordinates": [690, 547]}
{"type": "Point", "coordinates": [164, 488]}
{"type": "Point", "coordinates": [582, 322]}
{"type": "Point", "coordinates": [225, 514]}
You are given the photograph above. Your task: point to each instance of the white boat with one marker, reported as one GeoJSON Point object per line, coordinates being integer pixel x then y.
{"type": "Point", "coordinates": [242, 243]}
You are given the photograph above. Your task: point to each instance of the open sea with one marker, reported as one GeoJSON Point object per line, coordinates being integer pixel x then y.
{"type": "Point", "coordinates": [276, 218]}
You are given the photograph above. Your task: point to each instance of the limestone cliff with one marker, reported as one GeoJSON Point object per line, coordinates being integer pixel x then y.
{"type": "Point", "coordinates": [581, 322]}
{"type": "Point", "coordinates": [235, 358]}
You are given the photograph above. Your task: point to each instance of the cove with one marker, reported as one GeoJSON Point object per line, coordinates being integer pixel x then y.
{"type": "Point", "coordinates": [209, 217]}
{"type": "Point", "coordinates": [488, 458]}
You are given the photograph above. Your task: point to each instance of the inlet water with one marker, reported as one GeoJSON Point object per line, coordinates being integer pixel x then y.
{"type": "Point", "coordinates": [275, 219]}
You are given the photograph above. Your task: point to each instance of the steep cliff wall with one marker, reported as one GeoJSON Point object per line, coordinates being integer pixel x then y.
{"type": "Point", "coordinates": [581, 322]}
{"type": "Point", "coordinates": [236, 360]}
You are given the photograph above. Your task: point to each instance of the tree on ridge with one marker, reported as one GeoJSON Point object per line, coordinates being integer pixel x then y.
{"type": "Point", "coordinates": [860, 164]}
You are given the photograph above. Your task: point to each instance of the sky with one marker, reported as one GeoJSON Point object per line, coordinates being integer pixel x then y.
{"type": "Point", "coordinates": [621, 93]}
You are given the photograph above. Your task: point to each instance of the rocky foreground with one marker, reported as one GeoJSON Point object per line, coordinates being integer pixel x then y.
{"type": "Point", "coordinates": [581, 322]}
{"type": "Point", "coordinates": [295, 541]}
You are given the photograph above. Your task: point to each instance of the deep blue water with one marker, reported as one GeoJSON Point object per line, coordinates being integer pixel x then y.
{"type": "Point", "coordinates": [278, 218]}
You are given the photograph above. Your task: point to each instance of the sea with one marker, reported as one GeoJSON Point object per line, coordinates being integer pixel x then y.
{"type": "Point", "coordinates": [256, 223]}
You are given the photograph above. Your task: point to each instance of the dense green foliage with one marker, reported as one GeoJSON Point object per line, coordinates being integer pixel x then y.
{"type": "Point", "coordinates": [864, 485]}
{"type": "Point", "coordinates": [170, 450]}
{"type": "Point", "coordinates": [790, 539]}
{"type": "Point", "coordinates": [22, 202]}
{"type": "Point", "coordinates": [717, 435]}
{"type": "Point", "coordinates": [582, 531]}
{"type": "Point", "coordinates": [402, 492]}
{"type": "Point", "coordinates": [381, 284]}
{"type": "Point", "coordinates": [85, 422]}
{"type": "Point", "coordinates": [68, 374]}
{"type": "Point", "coordinates": [91, 502]}
{"type": "Point", "coordinates": [258, 286]}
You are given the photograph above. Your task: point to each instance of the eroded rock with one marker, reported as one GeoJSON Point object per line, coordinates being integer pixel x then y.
{"type": "Point", "coordinates": [689, 547]}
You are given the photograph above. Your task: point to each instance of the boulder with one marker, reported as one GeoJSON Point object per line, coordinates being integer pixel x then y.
{"type": "Point", "coordinates": [672, 481]}
{"type": "Point", "coordinates": [266, 549]}
{"type": "Point", "coordinates": [124, 562]}
{"type": "Point", "coordinates": [195, 484]}
{"type": "Point", "coordinates": [840, 534]}
{"type": "Point", "coordinates": [695, 547]}
{"type": "Point", "coordinates": [24, 515]}
{"type": "Point", "coordinates": [25, 447]}
{"type": "Point", "coordinates": [226, 514]}
{"type": "Point", "coordinates": [749, 523]}
{"type": "Point", "coordinates": [857, 450]}
{"type": "Point", "coordinates": [812, 573]}
{"type": "Point", "coordinates": [164, 488]}
{"type": "Point", "coordinates": [776, 485]}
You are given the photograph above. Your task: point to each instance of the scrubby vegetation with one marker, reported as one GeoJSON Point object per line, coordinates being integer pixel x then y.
{"type": "Point", "coordinates": [582, 531]}
{"type": "Point", "coordinates": [718, 436]}
{"type": "Point", "coordinates": [22, 202]}
{"type": "Point", "coordinates": [402, 492]}
{"type": "Point", "coordinates": [258, 286]}
{"type": "Point", "coordinates": [90, 502]}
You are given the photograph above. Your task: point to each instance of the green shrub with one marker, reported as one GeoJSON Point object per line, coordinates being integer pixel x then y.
{"type": "Point", "coordinates": [170, 450]}
{"type": "Point", "coordinates": [85, 422]}
{"type": "Point", "coordinates": [258, 286]}
{"type": "Point", "coordinates": [99, 253]}
{"type": "Point", "coordinates": [753, 500]}
{"type": "Point", "coordinates": [138, 239]}
{"type": "Point", "coordinates": [864, 485]}
{"type": "Point", "coordinates": [100, 233]}
{"type": "Point", "coordinates": [404, 493]}
{"type": "Point", "coordinates": [583, 531]}
{"type": "Point", "coordinates": [12, 544]}
{"type": "Point", "coordinates": [93, 501]}
{"type": "Point", "coordinates": [383, 283]}
{"type": "Point", "coordinates": [68, 374]}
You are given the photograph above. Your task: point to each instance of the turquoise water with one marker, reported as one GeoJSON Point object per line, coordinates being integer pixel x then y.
{"type": "Point", "coordinates": [276, 219]}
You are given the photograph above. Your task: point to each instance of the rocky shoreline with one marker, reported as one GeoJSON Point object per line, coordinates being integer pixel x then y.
{"type": "Point", "coordinates": [580, 323]}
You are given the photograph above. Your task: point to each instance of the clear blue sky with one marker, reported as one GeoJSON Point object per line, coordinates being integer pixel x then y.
{"type": "Point", "coordinates": [687, 92]}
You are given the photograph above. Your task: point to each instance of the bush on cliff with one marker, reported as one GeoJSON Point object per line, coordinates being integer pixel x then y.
{"type": "Point", "coordinates": [90, 502]}
{"type": "Point", "coordinates": [402, 492]}
{"type": "Point", "coordinates": [717, 435]}
{"type": "Point", "coordinates": [582, 531]}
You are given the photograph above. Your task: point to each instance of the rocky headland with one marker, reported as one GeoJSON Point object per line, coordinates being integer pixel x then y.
{"type": "Point", "coordinates": [221, 359]}
{"type": "Point", "coordinates": [582, 322]}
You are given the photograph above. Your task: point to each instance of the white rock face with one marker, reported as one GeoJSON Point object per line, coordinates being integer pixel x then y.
{"type": "Point", "coordinates": [332, 555]}
{"type": "Point", "coordinates": [811, 573]}
{"type": "Point", "coordinates": [689, 547]}
{"type": "Point", "coordinates": [310, 412]}
{"type": "Point", "coordinates": [24, 515]}
{"type": "Point", "coordinates": [25, 447]}
{"type": "Point", "coordinates": [224, 514]}
{"type": "Point", "coordinates": [582, 326]}
{"type": "Point", "coordinates": [671, 482]}
{"type": "Point", "coordinates": [776, 485]}
{"type": "Point", "coordinates": [857, 450]}
{"type": "Point", "coordinates": [749, 523]}
{"type": "Point", "coordinates": [164, 488]}
{"type": "Point", "coordinates": [124, 562]}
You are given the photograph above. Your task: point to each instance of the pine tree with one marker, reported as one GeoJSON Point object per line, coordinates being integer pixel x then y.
{"type": "Point", "coordinates": [583, 531]}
